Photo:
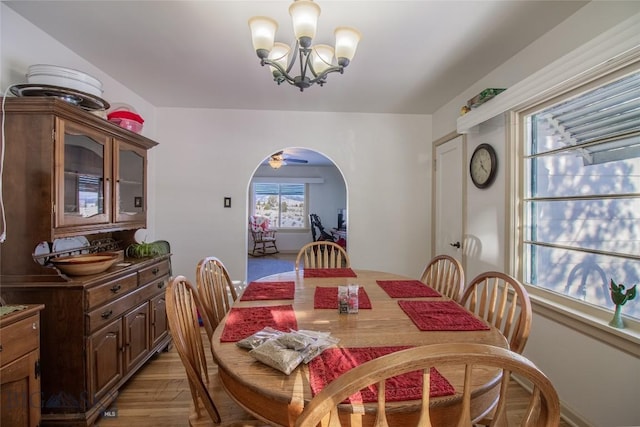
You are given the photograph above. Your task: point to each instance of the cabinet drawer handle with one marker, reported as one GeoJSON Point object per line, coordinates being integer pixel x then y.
{"type": "Point", "coordinates": [0, 348]}
{"type": "Point", "coordinates": [160, 285]}
{"type": "Point", "coordinates": [107, 314]}
{"type": "Point", "coordinates": [155, 271]}
{"type": "Point", "coordinates": [116, 288]}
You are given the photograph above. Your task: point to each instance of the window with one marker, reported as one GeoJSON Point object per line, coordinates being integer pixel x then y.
{"type": "Point", "coordinates": [284, 204]}
{"type": "Point", "coordinates": [581, 194]}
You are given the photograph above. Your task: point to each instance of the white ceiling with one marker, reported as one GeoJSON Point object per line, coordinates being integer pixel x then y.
{"type": "Point", "coordinates": [414, 56]}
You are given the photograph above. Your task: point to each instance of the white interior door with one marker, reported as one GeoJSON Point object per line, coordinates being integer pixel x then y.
{"type": "Point", "coordinates": [448, 203]}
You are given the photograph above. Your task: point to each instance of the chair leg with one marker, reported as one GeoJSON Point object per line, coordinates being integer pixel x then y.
{"type": "Point", "coordinates": [262, 248]}
{"type": "Point", "coordinates": [255, 249]}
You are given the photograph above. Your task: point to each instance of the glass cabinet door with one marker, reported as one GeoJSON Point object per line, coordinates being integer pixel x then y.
{"type": "Point", "coordinates": [83, 174]}
{"type": "Point", "coordinates": [130, 189]}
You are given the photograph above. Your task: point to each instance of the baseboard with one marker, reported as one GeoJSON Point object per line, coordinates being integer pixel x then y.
{"type": "Point", "coordinates": [567, 414]}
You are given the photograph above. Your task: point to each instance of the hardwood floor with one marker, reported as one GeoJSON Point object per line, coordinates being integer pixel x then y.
{"type": "Point", "coordinates": [158, 396]}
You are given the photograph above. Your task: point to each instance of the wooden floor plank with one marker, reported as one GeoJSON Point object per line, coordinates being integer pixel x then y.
{"type": "Point", "coordinates": [158, 396]}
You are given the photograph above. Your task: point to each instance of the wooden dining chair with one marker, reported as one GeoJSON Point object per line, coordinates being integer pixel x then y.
{"type": "Point", "coordinates": [215, 289]}
{"type": "Point", "coordinates": [322, 254]}
{"type": "Point", "coordinates": [503, 301]}
{"type": "Point", "coordinates": [543, 408]}
{"type": "Point", "coordinates": [445, 274]}
{"type": "Point", "coordinates": [211, 405]}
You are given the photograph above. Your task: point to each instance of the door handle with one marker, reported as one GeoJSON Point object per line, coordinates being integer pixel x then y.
{"type": "Point", "coordinates": [455, 245]}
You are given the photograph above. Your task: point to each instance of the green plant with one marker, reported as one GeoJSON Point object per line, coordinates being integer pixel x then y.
{"type": "Point", "coordinates": [143, 250]}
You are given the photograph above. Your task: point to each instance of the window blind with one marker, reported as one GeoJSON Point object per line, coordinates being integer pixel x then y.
{"type": "Point", "coordinates": [602, 125]}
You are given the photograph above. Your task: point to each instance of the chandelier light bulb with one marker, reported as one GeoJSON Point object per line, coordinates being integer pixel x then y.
{"type": "Point", "coordinates": [322, 57]}
{"type": "Point", "coordinates": [280, 55]}
{"type": "Point", "coordinates": [347, 40]}
{"type": "Point", "coordinates": [304, 15]}
{"type": "Point", "coordinates": [263, 34]}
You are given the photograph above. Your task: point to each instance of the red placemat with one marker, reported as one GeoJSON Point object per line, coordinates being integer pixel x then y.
{"type": "Point", "coordinates": [333, 362]}
{"type": "Point", "coordinates": [407, 289]}
{"type": "Point", "coordinates": [242, 322]}
{"type": "Point", "coordinates": [268, 290]}
{"type": "Point", "coordinates": [327, 297]}
{"type": "Point", "coordinates": [329, 272]}
{"type": "Point", "coordinates": [441, 316]}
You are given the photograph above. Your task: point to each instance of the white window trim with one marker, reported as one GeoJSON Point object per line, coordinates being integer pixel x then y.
{"type": "Point", "coordinates": [587, 319]}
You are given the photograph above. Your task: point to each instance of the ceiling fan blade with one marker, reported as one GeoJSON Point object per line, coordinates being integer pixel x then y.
{"type": "Point", "coordinates": [290, 160]}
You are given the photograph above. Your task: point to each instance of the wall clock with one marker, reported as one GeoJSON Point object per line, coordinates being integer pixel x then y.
{"type": "Point", "coordinates": [483, 166]}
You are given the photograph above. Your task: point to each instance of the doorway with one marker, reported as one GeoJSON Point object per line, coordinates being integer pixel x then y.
{"type": "Point", "coordinates": [287, 188]}
{"type": "Point", "coordinates": [449, 198]}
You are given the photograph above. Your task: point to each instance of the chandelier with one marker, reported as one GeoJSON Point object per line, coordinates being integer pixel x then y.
{"type": "Point", "coordinates": [315, 61]}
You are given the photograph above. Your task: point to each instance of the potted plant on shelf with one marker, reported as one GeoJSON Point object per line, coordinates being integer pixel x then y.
{"type": "Point", "coordinates": [145, 249]}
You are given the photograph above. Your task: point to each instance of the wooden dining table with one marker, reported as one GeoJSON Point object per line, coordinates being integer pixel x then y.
{"type": "Point", "coordinates": [278, 399]}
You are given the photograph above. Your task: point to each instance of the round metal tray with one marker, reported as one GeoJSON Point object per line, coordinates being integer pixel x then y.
{"type": "Point", "coordinates": [83, 100]}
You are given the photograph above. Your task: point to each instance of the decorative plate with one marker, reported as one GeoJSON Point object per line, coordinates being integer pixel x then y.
{"type": "Point", "coordinates": [42, 249]}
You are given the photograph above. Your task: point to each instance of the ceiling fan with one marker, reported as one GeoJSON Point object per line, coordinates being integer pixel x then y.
{"type": "Point", "coordinates": [279, 159]}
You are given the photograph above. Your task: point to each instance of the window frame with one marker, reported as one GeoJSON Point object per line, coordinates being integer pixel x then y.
{"type": "Point", "coordinates": [305, 226]}
{"type": "Point", "coordinates": [589, 319]}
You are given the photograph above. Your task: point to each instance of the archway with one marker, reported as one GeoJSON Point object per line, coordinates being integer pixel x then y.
{"type": "Point", "coordinates": [307, 182]}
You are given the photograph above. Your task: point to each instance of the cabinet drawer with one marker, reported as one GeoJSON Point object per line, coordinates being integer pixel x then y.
{"type": "Point", "coordinates": [153, 272]}
{"type": "Point", "coordinates": [110, 290]}
{"type": "Point", "coordinates": [19, 338]}
{"type": "Point", "coordinates": [107, 313]}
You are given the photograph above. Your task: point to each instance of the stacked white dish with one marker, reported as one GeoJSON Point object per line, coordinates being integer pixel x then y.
{"type": "Point", "coordinates": [64, 77]}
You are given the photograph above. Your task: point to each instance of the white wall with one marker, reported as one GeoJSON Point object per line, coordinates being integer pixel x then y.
{"type": "Point", "coordinates": [598, 384]}
{"type": "Point", "coordinates": [485, 208]}
{"type": "Point", "coordinates": [206, 155]}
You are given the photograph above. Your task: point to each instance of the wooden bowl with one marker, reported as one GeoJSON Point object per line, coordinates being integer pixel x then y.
{"type": "Point", "coordinates": [82, 265]}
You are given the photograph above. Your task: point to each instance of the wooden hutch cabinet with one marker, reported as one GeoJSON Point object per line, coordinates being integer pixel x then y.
{"type": "Point", "coordinates": [20, 367]}
{"type": "Point", "coordinates": [69, 173]}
